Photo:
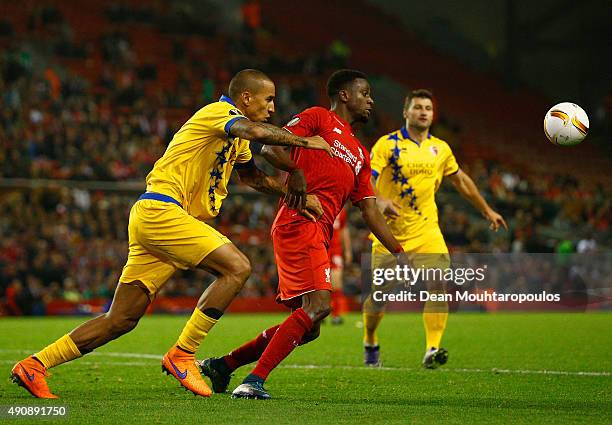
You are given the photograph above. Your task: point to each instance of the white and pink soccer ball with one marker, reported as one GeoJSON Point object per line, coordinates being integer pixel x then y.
{"type": "Point", "coordinates": [566, 124]}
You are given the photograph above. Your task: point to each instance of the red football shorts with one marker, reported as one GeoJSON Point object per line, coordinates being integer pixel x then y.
{"type": "Point", "coordinates": [302, 261]}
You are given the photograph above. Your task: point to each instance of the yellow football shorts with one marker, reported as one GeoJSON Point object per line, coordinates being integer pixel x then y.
{"type": "Point", "coordinates": [427, 250]}
{"type": "Point", "coordinates": [163, 238]}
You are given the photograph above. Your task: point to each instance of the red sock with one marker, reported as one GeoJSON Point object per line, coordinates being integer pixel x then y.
{"type": "Point", "coordinates": [287, 337]}
{"type": "Point", "coordinates": [342, 303]}
{"type": "Point", "coordinates": [250, 351]}
{"type": "Point", "coordinates": [335, 303]}
{"type": "Point", "coordinates": [339, 303]}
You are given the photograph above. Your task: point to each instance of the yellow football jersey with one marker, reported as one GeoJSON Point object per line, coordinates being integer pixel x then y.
{"type": "Point", "coordinates": [199, 160]}
{"type": "Point", "coordinates": [410, 173]}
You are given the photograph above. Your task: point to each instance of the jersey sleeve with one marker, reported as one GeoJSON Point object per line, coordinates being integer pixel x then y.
{"type": "Point", "coordinates": [363, 186]}
{"type": "Point", "coordinates": [450, 164]}
{"type": "Point", "coordinates": [243, 152]}
{"type": "Point", "coordinates": [220, 117]}
{"type": "Point", "coordinates": [306, 123]}
{"type": "Point", "coordinates": [379, 157]}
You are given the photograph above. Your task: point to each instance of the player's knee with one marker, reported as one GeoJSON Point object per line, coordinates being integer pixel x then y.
{"type": "Point", "coordinates": [318, 312]}
{"type": "Point", "coordinates": [311, 336]}
{"type": "Point", "coordinates": [119, 324]}
{"type": "Point", "coordinates": [240, 270]}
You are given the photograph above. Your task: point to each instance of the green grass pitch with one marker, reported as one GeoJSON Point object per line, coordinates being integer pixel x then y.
{"type": "Point", "coordinates": [503, 368]}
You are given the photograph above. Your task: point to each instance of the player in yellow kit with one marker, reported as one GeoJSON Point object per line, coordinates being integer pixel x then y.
{"type": "Point", "coordinates": [167, 231]}
{"type": "Point", "coordinates": [408, 166]}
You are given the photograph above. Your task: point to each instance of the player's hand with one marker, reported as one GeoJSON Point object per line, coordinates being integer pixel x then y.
{"type": "Point", "coordinates": [317, 142]}
{"type": "Point", "coordinates": [296, 190]}
{"type": "Point", "coordinates": [313, 210]}
{"type": "Point", "coordinates": [495, 220]}
{"type": "Point", "coordinates": [388, 208]}
{"type": "Point", "coordinates": [403, 259]}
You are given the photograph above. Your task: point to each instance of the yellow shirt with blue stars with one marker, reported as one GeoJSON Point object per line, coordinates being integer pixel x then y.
{"type": "Point", "coordinates": [409, 173]}
{"type": "Point", "coordinates": [198, 162]}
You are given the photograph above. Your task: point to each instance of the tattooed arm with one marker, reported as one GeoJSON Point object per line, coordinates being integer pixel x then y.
{"type": "Point", "coordinates": [268, 134]}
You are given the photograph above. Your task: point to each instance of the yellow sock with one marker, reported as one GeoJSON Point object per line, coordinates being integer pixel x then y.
{"type": "Point", "coordinates": [370, 324]}
{"type": "Point", "coordinates": [435, 316]}
{"type": "Point", "coordinates": [195, 331]}
{"type": "Point", "coordinates": [61, 351]}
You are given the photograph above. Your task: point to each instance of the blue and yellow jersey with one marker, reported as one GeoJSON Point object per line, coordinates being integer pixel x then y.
{"type": "Point", "coordinates": [410, 173]}
{"type": "Point", "coordinates": [199, 160]}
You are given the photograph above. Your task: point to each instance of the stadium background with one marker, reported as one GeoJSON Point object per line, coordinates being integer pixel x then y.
{"type": "Point", "coordinates": [92, 92]}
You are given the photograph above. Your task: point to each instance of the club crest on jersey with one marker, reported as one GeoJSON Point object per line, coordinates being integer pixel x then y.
{"type": "Point", "coordinates": [293, 122]}
{"type": "Point", "coordinates": [337, 130]}
{"type": "Point", "coordinates": [434, 150]}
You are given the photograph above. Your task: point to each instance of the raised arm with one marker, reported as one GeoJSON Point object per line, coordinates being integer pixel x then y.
{"type": "Point", "coordinates": [268, 134]}
{"type": "Point", "coordinates": [467, 188]}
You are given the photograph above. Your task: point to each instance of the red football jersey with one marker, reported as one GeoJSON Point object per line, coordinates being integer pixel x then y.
{"type": "Point", "coordinates": [333, 180]}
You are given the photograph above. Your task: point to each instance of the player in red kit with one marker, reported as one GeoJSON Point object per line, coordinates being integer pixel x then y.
{"type": "Point", "coordinates": [301, 246]}
{"type": "Point", "coordinates": [340, 252]}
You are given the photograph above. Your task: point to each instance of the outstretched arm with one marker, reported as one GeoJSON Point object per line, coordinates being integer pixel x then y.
{"type": "Point", "coordinates": [376, 222]}
{"type": "Point", "coordinates": [268, 134]}
{"type": "Point", "coordinates": [260, 181]}
{"type": "Point", "coordinates": [466, 187]}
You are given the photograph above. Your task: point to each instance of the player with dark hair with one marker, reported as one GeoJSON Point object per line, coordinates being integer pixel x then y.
{"type": "Point", "coordinates": [408, 166]}
{"type": "Point", "coordinates": [301, 246]}
{"type": "Point", "coordinates": [167, 230]}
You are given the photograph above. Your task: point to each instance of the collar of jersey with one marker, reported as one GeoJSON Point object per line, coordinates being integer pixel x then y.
{"type": "Point", "coordinates": [406, 135]}
{"type": "Point", "coordinates": [342, 121]}
{"type": "Point", "coordinates": [227, 99]}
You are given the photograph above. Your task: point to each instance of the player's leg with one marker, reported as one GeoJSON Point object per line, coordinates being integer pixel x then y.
{"type": "Point", "coordinates": [304, 274]}
{"type": "Point", "coordinates": [433, 254]}
{"type": "Point", "coordinates": [129, 304]}
{"type": "Point", "coordinates": [373, 311]}
{"type": "Point", "coordinates": [220, 369]}
{"type": "Point", "coordinates": [339, 304]}
{"type": "Point", "coordinates": [435, 316]}
{"type": "Point", "coordinates": [300, 327]}
{"type": "Point", "coordinates": [232, 269]}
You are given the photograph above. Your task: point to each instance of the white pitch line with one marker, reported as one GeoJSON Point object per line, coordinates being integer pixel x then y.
{"type": "Point", "coordinates": [312, 366]}
{"type": "Point", "coordinates": [85, 362]}
{"type": "Point", "coordinates": [464, 370]}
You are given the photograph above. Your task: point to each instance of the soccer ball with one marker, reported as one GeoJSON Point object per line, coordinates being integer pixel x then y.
{"type": "Point", "coordinates": [566, 124]}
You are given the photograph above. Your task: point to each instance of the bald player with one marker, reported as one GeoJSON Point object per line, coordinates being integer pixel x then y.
{"type": "Point", "coordinates": [167, 230]}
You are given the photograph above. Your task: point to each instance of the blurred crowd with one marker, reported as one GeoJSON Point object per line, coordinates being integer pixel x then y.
{"type": "Point", "coordinates": [59, 242]}
{"type": "Point", "coordinates": [63, 243]}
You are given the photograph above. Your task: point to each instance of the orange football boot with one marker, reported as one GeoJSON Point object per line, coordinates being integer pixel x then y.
{"type": "Point", "coordinates": [183, 367]}
{"type": "Point", "coordinates": [30, 374]}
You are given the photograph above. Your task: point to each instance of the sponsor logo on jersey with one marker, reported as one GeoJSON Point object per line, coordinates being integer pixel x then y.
{"type": "Point", "coordinates": [342, 152]}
